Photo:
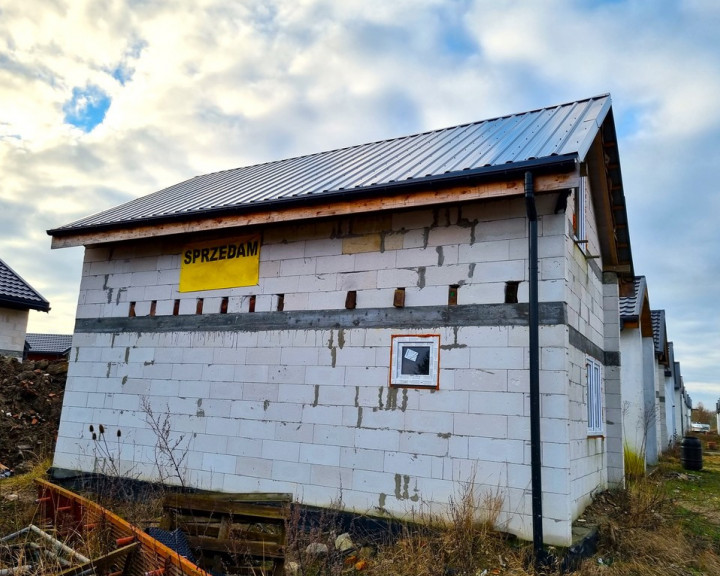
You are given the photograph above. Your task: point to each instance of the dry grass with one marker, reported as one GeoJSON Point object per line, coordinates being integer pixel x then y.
{"type": "Point", "coordinates": [667, 523]}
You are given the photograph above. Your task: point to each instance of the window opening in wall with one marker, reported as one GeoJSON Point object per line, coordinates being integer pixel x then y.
{"type": "Point", "coordinates": [280, 302]}
{"type": "Point", "coordinates": [415, 361]}
{"type": "Point", "coordinates": [251, 304]}
{"type": "Point", "coordinates": [176, 308]}
{"type": "Point", "coordinates": [153, 307]}
{"type": "Point", "coordinates": [399, 298]}
{"type": "Point", "coordinates": [594, 397]}
{"type": "Point", "coordinates": [199, 306]}
{"type": "Point", "coordinates": [131, 310]}
{"type": "Point", "coordinates": [453, 294]}
{"type": "Point", "coordinates": [351, 300]}
{"type": "Point", "coordinates": [224, 305]}
{"type": "Point", "coordinates": [511, 291]}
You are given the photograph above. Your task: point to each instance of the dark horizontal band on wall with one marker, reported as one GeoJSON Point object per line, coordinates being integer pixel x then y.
{"type": "Point", "coordinates": [550, 314]}
{"type": "Point", "coordinates": [582, 343]}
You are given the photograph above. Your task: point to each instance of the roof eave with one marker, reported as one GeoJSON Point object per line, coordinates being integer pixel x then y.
{"type": "Point", "coordinates": [553, 164]}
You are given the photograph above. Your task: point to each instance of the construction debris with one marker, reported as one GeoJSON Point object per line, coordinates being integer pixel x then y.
{"type": "Point", "coordinates": [31, 396]}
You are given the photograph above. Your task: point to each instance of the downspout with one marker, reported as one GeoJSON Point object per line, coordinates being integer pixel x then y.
{"type": "Point", "coordinates": [533, 325]}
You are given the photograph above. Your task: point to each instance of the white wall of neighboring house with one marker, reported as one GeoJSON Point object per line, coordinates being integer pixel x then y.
{"type": "Point", "coordinates": [307, 408]}
{"type": "Point", "coordinates": [671, 438]}
{"type": "Point", "coordinates": [13, 328]}
{"type": "Point", "coordinates": [650, 401]}
{"type": "Point", "coordinates": [633, 390]}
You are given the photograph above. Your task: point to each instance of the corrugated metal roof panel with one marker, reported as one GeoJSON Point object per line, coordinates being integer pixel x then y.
{"type": "Point", "coordinates": [16, 293]}
{"type": "Point", "coordinates": [566, 130]}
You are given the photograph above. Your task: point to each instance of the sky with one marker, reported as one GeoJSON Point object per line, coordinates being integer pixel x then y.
{"type": "Point", "coordinates": [103, 101]}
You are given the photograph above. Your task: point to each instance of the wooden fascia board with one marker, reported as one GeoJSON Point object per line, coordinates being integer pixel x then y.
{"type": "Point", "coordinates": [415, 199]}
{"type": "Point", "coordinates": [595, 162]}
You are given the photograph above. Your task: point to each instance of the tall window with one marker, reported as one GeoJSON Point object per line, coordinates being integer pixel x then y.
{"type": "Point", "coordinates": [594, 398]}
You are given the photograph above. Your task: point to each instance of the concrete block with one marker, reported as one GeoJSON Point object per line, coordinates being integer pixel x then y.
{"type": "Point", "coordinates": [298, 472]}
{"type": "Point", "coordinates": [432, 444]}
{"type": "Point", "coordinates": [376, 261]}
{"type": "Point", "coordinates": [428, 296]}
{"type": "Point", "coordinates": [357, 280]}
{"type": "Point", "coordinates": [294, 432]}
{"type": "Point", "coordinates": [412, 220]}
{"type": "Point", "coordinates": [485, 425]}
{"type": "Point", "coordinates": [331, 476]}
{"type": "Point", "coordinates": [448, 235]}
{"type": "Point", "coordinates": [322, 247]}
{"type": "Point", "coordinates": [330, 415]}
{"type": "Point", "coordinates": [454, 401]}
{"type": "Point", "coordinates": [287, 374]}
{"type": "Point", "coordinates": [325, 455]}
{"type": "Point", "coordinates": [277, 450]}
{"type": "Point", "coordinates": [361, 459]}
{"type": "Point", "coordinates": [244, 446]}
{"type": "Point", "coordinates": [501, 229]}
{"type": "Point", "coordinates": [479, 379]}
{"type": "Point", "coordinates": [299, 356]}
{"type": "Point", "coordinates": [489, 251]}
{"type": "Point", "coordinates": [408, 464]}
{"type": "Point", "coordinates": [414, 257]}
{"type": "Point", "coordinates": [492, 358]}
{"type": "Point", "coordinates": [373, 482]}
{"type": "Point", "coordinates": [496, 449]}
{"type": "Point", "coordinates": [377, 439]}
{"type": "Point", "coordinates": [253, 467]}
{"type": "Point", "coordinates": [500, 403]}
{"type": "Point", "coordinates": [335, 264]}
{"type": "Point", "coordinates": [376, 298]}
{"type": "Point", "coordinates": [423, 421]}
{"type": "Point", "coordinates": [359, 244]}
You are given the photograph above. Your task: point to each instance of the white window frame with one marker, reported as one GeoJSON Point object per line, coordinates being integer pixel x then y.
{"type": "Point", "coordinates": [400, 344]}
{"type": "Point", "coordinates": [593, 376]}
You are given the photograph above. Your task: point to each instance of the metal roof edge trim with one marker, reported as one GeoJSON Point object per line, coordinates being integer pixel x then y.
{"type": "Point", "coordinates": [601, 117]}
{"type": "Point", "coordinates": [565, 163]}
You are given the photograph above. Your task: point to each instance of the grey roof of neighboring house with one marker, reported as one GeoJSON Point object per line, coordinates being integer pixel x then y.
{"type": "Point", "coordinates": [631, 306]}
{"type": "Point", "coordinates": [52, 343]}
{"type": "Point", "coordinates": [546, 137]}
{"type": "Point", "coordinates": [17, 293]}
{"type": "Point", "coordinates": [659, 334]}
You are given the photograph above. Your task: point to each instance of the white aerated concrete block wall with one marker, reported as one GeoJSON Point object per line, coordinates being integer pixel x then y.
{"type": "Point", "coordinates": [13, 328]}
{"type": "Point", "coordinates": [309, 410]}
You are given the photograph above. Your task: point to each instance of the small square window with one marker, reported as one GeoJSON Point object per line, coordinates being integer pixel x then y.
{"type": "Point", "coordinates": [414, 361]}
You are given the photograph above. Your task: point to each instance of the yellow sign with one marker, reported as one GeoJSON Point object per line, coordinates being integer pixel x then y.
{"type": "Point", "coordinates": [220, 264]}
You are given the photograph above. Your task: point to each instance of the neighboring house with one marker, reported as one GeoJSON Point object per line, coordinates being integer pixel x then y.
{"type": "Point", "coordinates": [17, 298]}
{"type": "Point", "coordinates": [353, 325]}
{"type": "Point", "coordinates": [47, 346]}
{"type": "Point", "coordinates": [662, 370]}
{"type": "Point", "coordinates": [637, 373]}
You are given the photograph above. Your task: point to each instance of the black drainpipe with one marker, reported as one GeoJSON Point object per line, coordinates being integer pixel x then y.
{"type": "Point", "coordinates": [533, 324]}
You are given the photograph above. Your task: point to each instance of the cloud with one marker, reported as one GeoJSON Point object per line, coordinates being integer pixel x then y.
{"type": "Point", "coordinates": [107, 101]}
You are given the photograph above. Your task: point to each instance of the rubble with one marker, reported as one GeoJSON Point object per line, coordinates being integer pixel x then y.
{"type": "Point", "coordinates": [31, 396]}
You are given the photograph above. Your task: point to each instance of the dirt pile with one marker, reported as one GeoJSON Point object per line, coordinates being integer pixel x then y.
{"type": "Point", "coordinates": [31, 396]}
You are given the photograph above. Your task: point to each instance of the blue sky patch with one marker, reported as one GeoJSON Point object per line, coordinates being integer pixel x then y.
{"type": "Point", "coordinates": [87, 108]}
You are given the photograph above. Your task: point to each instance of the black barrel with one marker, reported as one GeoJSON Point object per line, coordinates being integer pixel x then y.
{"type": "Point", "coordinates": [691, 453]}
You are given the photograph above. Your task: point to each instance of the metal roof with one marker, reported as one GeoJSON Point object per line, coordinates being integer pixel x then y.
{"type": "Point", "coordinates": [510, 143]}
{"type": "Point", "coordinates": [18, 294]}
{"type": "Point", "coordinates": [53, 343]}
